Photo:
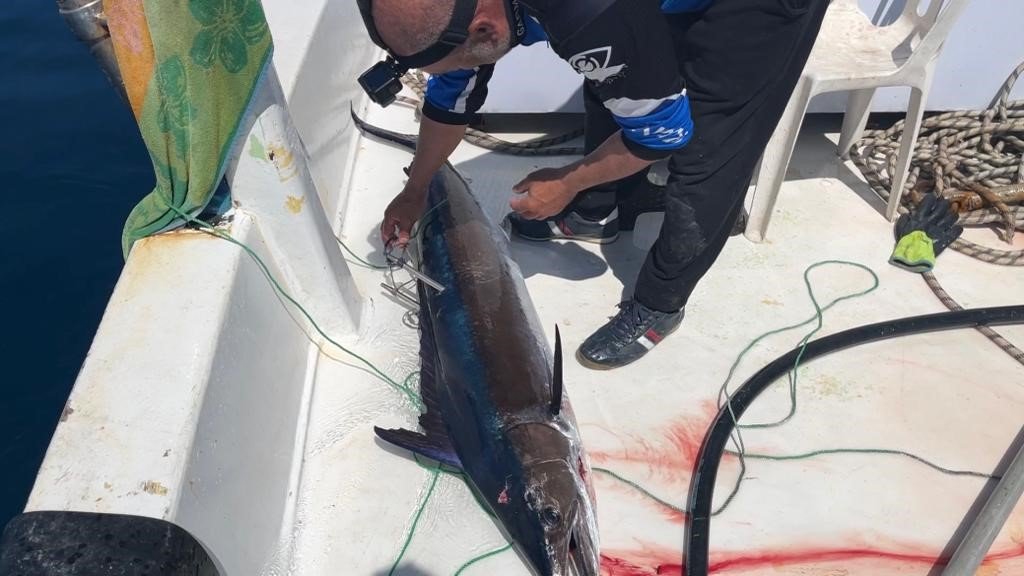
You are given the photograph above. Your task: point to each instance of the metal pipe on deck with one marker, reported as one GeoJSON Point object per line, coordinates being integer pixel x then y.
{"type": "Point", "coordinates": [983, 531]}
{"type": "Point", "coordinates": [89, 24]}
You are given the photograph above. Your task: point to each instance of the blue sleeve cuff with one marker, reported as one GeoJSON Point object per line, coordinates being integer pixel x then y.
{"type": "Point", "coordinates": [445, 90]}
{"type": "Point", "coordinates": [657, 134]}
{"type": "Point", "coordinates": [445, 116]}
{"type": "Point", "coordinates": [680, 6]}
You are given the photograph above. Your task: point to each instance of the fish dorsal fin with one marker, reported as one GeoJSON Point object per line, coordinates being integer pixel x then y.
{"type": "Point", "coordinates": [430, 419]}
{"type": "Point", "coordinates": [428, 362]}
{"type": "Point", "coordinates": [556, 380]}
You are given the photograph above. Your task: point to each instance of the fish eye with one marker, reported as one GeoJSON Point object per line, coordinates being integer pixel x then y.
{"type": "Point", "coordinates": [550, 516]}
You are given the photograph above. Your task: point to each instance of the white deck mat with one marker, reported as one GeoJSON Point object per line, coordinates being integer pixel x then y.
{"type": "Point", "coordinates": [952, 398]}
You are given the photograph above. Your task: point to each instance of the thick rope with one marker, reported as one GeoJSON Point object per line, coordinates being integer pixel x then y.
{"type": "Point", "coordinates": [991, 255]}
{"type": "Point", "coordinates": [974, 158]}
{"type": "Point", "coordinates": [1016, 353]}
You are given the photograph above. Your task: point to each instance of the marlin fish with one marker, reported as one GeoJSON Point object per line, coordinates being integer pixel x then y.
{"type": "Point", "coordinates": [494, 403]}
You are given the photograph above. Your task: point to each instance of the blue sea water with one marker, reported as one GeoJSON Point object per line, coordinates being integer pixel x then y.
{"type": "Point", "coordinates": [72, 165]}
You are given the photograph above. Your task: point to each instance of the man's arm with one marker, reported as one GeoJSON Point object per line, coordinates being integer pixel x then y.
{"type": "Point", "coordinates": [449, 102]}
{"type": "Point", "coordinates": [627, 57]}
{"type": "Point", "coordinates": [644, 138]}
{"type": "Point", "coordinates": [454, 97]}
{"type": "Point", "coordinates": [436, 143]}
{"type": "Point", "coordinates": [611, 161]}
{"type": "Point", "coordinates": [550, 190]}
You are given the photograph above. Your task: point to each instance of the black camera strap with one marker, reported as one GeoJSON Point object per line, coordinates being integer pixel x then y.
{"type": "Point", "coordinates": [382, 80]}
{"type": "Point", "coordinates": [516, 24]}
{"type": "Point", "coordinates": [454, 35]}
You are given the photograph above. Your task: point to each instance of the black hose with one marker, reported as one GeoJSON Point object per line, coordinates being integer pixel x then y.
{"type": "Point", "coordinates": [702, 486]}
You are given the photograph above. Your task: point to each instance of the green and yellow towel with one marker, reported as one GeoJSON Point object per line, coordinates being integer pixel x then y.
{"type": "Point", "coordinates": [190, 68]}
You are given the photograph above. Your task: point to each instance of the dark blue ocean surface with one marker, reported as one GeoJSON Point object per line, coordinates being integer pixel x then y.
{"type": "Point", "coordinates": [72, 165]}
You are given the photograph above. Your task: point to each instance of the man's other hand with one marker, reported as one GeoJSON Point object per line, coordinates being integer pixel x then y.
{"type": "Point", "coordinates": [543, 193]}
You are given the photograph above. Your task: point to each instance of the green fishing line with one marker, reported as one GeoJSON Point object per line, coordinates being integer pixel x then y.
{"type": "Point", "coordinates": [359, 259]}
{"type": "Point", "coordinates": [482, 557]}
{"type": "Point", "coordinates": [284, 294]}
{"type": "Point", "coordinates": [435, 471]}
{"type": "Point", "coordinates": [434, 475]}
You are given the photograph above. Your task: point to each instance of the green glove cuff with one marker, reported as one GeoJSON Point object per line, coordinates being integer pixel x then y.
{"type": "Point", "coordinates": [914, 252]}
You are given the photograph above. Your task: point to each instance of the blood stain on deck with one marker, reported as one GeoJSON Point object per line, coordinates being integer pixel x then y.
{"type": "Point", "coordinates": [812, 562]}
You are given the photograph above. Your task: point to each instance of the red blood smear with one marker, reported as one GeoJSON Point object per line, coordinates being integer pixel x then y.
{"type": "Point", "coordinates": [672, 454]}
{"type": "Point", "coordinates": [657, 562]}
{"type": "Point", "coordinates": [672, 514]}
{"type": "Point", "coordinates": [615, 566]}
{"type": "Point", "coordinates": [673, 462]}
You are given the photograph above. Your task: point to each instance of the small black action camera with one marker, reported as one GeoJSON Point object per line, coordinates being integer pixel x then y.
{"type": "Point", "coordinates": [382, 82]}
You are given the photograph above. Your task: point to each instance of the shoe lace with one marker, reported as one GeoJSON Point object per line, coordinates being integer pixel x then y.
{"type": "Point", "coordinates": [629, 321]}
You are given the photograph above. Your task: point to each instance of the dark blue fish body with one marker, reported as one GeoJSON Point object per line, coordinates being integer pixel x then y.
{"type": "Point", "coordinates": [491, 389]}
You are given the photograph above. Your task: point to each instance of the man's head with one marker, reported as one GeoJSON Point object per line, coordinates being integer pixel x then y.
{"type": "Point", "coordinates": [409, 26]}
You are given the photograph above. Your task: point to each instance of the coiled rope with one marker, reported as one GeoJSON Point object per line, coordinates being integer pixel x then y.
{"type": "Point", "coordinates": [975, 158]}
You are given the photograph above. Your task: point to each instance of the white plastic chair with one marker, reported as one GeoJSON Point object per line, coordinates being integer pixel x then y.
{"type": "Point", "coordinates": [851, 53]}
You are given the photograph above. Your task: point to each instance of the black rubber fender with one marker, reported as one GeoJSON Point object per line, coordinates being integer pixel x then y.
{"type": "Point", "coordinates": [63, 543]}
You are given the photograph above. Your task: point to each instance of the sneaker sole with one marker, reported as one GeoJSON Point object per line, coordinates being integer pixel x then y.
{"type": "Point", "coordinates": [594, 366]}
{"type": "Point", "coordinates": [570, 238]}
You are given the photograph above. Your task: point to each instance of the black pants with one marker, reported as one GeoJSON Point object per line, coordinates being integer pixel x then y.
{"type": "Point", "coordinates": [741, 60]}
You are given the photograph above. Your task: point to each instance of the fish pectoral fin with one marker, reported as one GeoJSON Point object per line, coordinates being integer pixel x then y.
{"type": "Point", "coordinates": [434, 446]}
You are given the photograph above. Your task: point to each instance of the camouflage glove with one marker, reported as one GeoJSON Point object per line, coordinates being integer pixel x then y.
{"type": "Point", "coordinates": [924, 233]}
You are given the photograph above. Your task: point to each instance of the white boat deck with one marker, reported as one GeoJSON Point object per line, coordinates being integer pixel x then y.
{"type": "Point", "coordinates": [951, 398]}
{"type": "Point", "coordinates": [203, 402]}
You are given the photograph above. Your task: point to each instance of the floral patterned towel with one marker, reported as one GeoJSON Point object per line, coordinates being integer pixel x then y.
{"type": "Point", "coordinates": [190, 68]}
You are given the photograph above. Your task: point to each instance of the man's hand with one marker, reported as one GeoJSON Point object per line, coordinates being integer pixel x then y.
{"type": "Point", "coordinates": [436, 142]}
{"type": "Point", "coordinates": [549, 191]}
{"type": "Point", "coordinates": [401, 214]}
{"type": "Point", "coordinates": [543, 193]}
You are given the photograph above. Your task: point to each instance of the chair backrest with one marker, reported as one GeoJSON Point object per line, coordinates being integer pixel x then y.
{"type": "Point", "coordinates": [931, 26]}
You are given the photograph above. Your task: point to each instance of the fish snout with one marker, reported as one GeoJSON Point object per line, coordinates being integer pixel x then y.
{"type": "Point", "coordinates": [574, 552]}
{"type": "Point", "coordinates": [583, 549]}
